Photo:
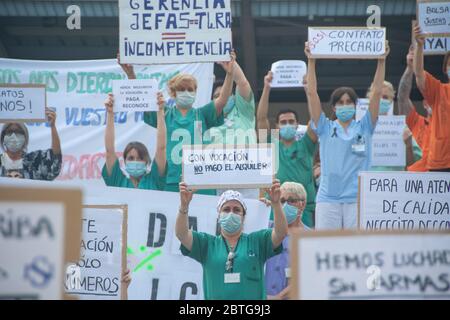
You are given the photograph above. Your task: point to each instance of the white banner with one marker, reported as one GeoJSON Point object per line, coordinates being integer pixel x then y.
{"type": "Point", "coordinates": [161, 32]}
{"type": "Point", "coordinates": [404, 200]}
{"type": "Point", "coordinates": [78, 89]}
{"type": "Point", "coordinates": [159, 271]}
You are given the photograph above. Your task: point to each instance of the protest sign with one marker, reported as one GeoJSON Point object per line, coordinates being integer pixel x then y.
{"type": "Point", "coordinates": [383, 265]}
{"type": "Point", "coordinates": [103, 253]}
{"type": "Point", "coordinates": [404, 200]}
{"type": "Point", "coordinates": [164, 32]}
{"type": "Point", "coordinates": [388, 147]}
{"type": "Point", "coordinates": [288, 74]}
{"type": "Point", "coordinates": [135, 95]}
{"type": "Point", "coordinates": [39, 237]}
{"type": "Point", "coordinates": [434, 17]}
{"type": "Point", "coordinates": [434, 45]}
{"type": "Point", "coordinates": [22, 102]}
{"type": "Point", "coordinates": [363, 105]}
{"type": "Point", "coordinates": [214, 167]}
{"type": "Point", "coordinates": [346, 42]}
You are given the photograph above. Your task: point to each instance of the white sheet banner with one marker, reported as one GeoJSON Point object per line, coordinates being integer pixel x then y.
{"type": "Point", "coordinates": [77, 89]}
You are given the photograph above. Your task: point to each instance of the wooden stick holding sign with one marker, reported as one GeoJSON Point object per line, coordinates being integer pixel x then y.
{"type": "Point", "coordinates": [40, 236]}
{"type": "Point", "coordinates": [344, 265]}
{"type": "Point", "coordinates": [216, 166]}
{"type": "Point", "coordinates": [347, 42]}
{"type": "Point", "coordinates": [103, 253]}
{"type": "Point", "coordinates": [434, 17]}
{"type": "Point", "coordinates": [23, 102]}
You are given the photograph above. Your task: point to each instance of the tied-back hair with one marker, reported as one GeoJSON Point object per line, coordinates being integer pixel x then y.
{"type": "Point", "coordinates": [338, 93]}
{"type": "Point", "coordinates": [140, 148]}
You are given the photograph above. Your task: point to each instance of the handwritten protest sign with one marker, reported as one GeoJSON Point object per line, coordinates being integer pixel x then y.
{"type": "Point", "coordinates": [388, 147]}
{"type": "Point", "coordinates": [434, 17]}
{"type": "Point", "coordinates": [22, 102]}
{"type": "Point", "coordinates": [103, 253]}
{"type": "Point", "coordinates": [288, 74]}
{"type": "Point", "coordinates": [39, 231]}
{"type": "Point", "coordinates": [346, 42]}
{"type": "Point", "coordinates": [363, 105]}
{"type": "Point", "coordinates": [383, 265]}
{"type": "Point", "coordinates": [135, 95]}
{"type": "Point", "coordinates": [214, 166]}
{"type": "Point", "coordinates": [161, 32]}
{"type": "Point", "coordinates": [404, 200]}
{"type": "Point", "coordinates": [434, 45]}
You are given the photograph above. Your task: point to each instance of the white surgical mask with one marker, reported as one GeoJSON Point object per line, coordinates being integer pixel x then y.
{"type": "Point", "coordinates": [185, 99]}
{"type": "Point", "coordinates": [14, 142]}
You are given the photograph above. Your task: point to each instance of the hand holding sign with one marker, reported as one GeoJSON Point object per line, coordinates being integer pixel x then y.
{"type": "Point", "coordinates": [185, 195]}
{"type": "Point", "coordinates": [127, 68]}
{"type": "Point", "coordinates": [419, 35]}
{"type": "Point", "coordinates": [275, 192]}
{"type": "Point", "coordinates": [51, 116]}
{"type": "Point", "coordinates": [109, 104]}
{"type": "Point", "coordinates": [268, 80]}
{"type": "Point", "coordinates": [228, 66]}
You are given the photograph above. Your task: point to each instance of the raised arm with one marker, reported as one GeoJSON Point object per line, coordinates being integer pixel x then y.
{"type": "Point", "coordinates": [127, 68]}
{"type": "Point", "coordinates": [183, 233]}
{"type": "Point", "coordinates": [314, 105]}
{"type": "Point", "coordinates": [109, 134]}
{"type": "Point", "coordinates": [161, 137]}
{"type": "Point", "coordinates": [404, 87]}
{"type": "Point", "coordinates": [419, 70]}
{"type": "Point", "coordinates": [280, 229]}
{"type": "Point", "coordinates": [56, 143]}
{"type": "Point", "coordinates": [374, 102]}
{"type": "Point", "coordinates": [262, 121]}
{"type": "Point", "coordinates": [227, 87]}
{"type": "Point", "coordinates": [242, 84]}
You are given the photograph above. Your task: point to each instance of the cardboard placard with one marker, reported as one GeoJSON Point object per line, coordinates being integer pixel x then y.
{"type": "Point", "coordinates": [135, 95]}
{"type": "Point", "coordinates": [162, 32]}
{"type": "Point", "coordinates": [388, 147]}
{"type": "Point", "coordinates": [103, 253]}
{"type": "Point", "coordinates": [433, 45]}
{"type": "Point", "coordinates": [288, 73]}
{"type": "Point", "coordinates": [23, 102]}
{"type": "Point", "coordinates": [404, 200]}
{"type": "Point", "coordinates": [347, 42]}
{"type": "Point", "coordinates": [39, 238]}
{"type": "Point", "coordinates": [216, 166]}
{"type": "Point", "coordinates": [344, 265]}
{"type": "Point", "coordinates": [434, 17]}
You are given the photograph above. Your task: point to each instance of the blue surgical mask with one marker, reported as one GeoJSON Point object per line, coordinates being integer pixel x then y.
{"type": "Point", "coordinates": [385, 106]}
{"type": "Point", "coordinates": [291, 213]}
{"type": "Point", "coordinates": [288, 132]}
{"type": "Point", "coordinates": [229, 106]}
{"type": "Point", "coordinates": [345, 112]}
{"type": "Point", "coordinates": [185, 99]}
{"type": "Point", "coordinates": [230, 222]}
{"type": "Point", "coordinates": [14, 142]}
{"type": "Point", "coordinates": [136, 169]}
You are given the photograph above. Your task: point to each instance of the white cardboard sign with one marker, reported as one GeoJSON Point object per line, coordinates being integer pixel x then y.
{"type": "Point", "coordinates": [22, 102]}
{"type": "Point", "coordinates": [288, 73]}
{"type": "Point", "coordinates": [135, 95]}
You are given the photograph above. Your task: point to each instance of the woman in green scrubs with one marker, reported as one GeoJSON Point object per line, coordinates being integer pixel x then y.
{"type": "Point", "coordinates": [233, 262]}
{"type": "Point", "coordinates": [141, 172]}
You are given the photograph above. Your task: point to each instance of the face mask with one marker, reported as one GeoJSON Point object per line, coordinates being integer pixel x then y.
{"type": "Point", "coordinates": [185, 99]}
{"type": "Point", "coordinates": [385, 106]}
{"type": "Point", "coordinates": [290, 212]}
{"type": "Point", "coordinates": [14, 142]}
{"type": "Point", "coordinates": [345, 112]}
{"type": "Point", "coordinates": [317, 182]}
{"type": "Point", "coordinates": [288, 132]}
{"type": "Point", "coordinates": [229, 106]}
{"type": "Point", "coordinates": [136, 169]}
{"type": "Point", "coordinates": [230, 222]}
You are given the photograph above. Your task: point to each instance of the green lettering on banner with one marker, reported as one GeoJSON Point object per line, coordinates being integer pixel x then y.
{"type": "Point", "coordinates": [45, 77]}
{"type": "Point", "coordinates": [9, 75]}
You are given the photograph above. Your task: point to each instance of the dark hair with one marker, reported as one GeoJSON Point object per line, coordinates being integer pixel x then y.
{"type": "Point", "coordinates": [217, 84]}
{"type": "Point", "coordinates": [284, 111]}
{"type": "Point", "coordinates": [140, 148]}
{"type": "Point", "coordinates": [444, 65]}
{"type": "Point", "coordinates": [339, 92]}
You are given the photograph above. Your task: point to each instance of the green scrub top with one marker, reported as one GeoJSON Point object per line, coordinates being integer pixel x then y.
{"type": "Point", "coordinates": [181, 129]}
{"type": "Point", "coordinates": [150, 181]}
{"type": "Point", "coordinates": [296, 165]}
{"type": "Point", "coordinates": [251, 253]}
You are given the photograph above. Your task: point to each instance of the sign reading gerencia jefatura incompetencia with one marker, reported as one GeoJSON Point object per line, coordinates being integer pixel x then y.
{"type": "Point", "coordinates": [160, 31]}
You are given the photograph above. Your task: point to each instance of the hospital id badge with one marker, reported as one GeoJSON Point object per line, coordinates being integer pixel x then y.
{"type": "Point", "coordinates": [359, 148]}
{"type": "Point", "coordinates": [232, 277]}
{"type": "Point", "coordinates": [287, 272]}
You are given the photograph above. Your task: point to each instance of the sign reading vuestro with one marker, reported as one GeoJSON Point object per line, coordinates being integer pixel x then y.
{"type": "Point", "coordinates": [22, 102]}
{"type": "Point", "coordinates": [173, 31]}
{"type": "Point", "coordinates": [404, 200]}
{"type": "Point", "coordinates": [346, 42]}
{"type": "Point", "coordinates": [383, 265]}
{"type": "Point", "coordinates": [434, 17]}
{"type": "Point", "coordinates": [213, 166]}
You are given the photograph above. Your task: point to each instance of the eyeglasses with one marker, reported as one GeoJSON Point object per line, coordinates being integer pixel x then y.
{"type": "Point", "coordinates": [230, 259]}
{"type": "Point", "coordinates": [291, 200]}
